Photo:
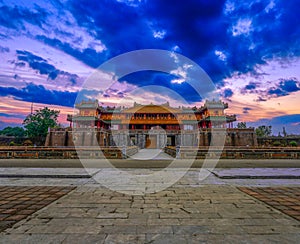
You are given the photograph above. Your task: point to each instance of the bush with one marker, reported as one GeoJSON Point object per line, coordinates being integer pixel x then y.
{"type": "Point", "coordinates": [293, 144]}
{"type": "Point", "coordinates": [12, 143]}
{"type": "Point", "coordinates": [27, 143]}
{"type": "Point", "coordinates": [276, 143]}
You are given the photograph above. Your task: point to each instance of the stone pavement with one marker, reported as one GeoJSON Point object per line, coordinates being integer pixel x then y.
{"type": "Point", "coordinates": [285, 199]}
{"type": "Point", "coordinates": [18, 202]}
{"type": "Point", "coordinates": [191, 211]}
{"type": "Point", "coordinates": [147, 154]}
{"type": "Point", "coordinates": [211, 214]}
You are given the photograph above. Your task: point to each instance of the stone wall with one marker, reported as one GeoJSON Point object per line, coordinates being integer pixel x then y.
{"type": "Point", "coordinates": [284, 141]}
{"type": "Point", "coordinates": [235, 153]}
{"type": "Point", "coordinates": [158, 139]}
{"type": "Point", "coordinates": [79, 137]}
{"type": "Point", "coordinates": [65, 153]}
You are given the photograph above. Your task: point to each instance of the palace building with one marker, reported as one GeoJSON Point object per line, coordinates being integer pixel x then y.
{"type": "Point", "coordinates": [149, 126]}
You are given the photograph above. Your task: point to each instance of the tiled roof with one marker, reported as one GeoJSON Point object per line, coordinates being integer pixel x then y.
{"type": "Point", "coordinates": [155, 109]}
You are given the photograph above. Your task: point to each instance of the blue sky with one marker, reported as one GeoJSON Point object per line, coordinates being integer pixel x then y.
{"type": "Point", "coordinates": [250, 49]}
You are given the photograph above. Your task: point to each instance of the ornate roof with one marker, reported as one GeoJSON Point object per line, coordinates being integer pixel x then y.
{"type": "Point", "coordinates": [151, 108]}
{"type": "Point", "coordinates": [93, 104]}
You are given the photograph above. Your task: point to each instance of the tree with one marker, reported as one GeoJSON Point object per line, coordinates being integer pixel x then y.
{"type": "Point", "coordinates": [242, 125]}
{"type": "Point", "coordinates": [293, 144]}
{"type": "Point", "coordinates": [37, 124]}
{"type": "Point", "coordinates": [284, 132]}
{"type": "Point", "coordinates": [263, 131]}
{"type": "Point", "coordinates": [17, 132]}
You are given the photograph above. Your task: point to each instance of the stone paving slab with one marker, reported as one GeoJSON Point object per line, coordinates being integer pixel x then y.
{"type": "Point", "coordinates": [16, 203]}
{"type": "Point", "coordinates": [258, 173]}
{"type": "Point", "coordinates": [151, 154]}
{"type": "Point", "coordinates": [285, 199]}
{"type": "Point", "coordinates": [209, 214]}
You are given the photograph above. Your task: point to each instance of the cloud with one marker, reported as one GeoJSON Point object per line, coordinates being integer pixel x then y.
{"type": "Point", "coordinates": [15, 17]}
{"type": "Point", "coordinates": [290, 122]}
{"type": "Point", "coordinates": [40, 64]}
{"type": "Point", "coordinates": [88, 56]}
{"type": "Point", "coordinates": [290, 85]}
{"type": "Point", "coordinates": [251, 86]}
{"type": "Point", "coordinates": [39, 94]}
{"type": "Point", "coordinates": [227, 93]}
{"type": "Point", "coordinates": [284, 88]}
{"type": "Point", "coordinates": [226, 38]}
{"type": "Point", "coordinates": [246, 110]}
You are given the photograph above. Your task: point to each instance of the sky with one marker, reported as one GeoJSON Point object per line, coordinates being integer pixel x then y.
{"type": "Point", "coordinates": [249, 49]}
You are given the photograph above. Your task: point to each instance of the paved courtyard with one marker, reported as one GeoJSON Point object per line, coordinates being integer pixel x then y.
{"type": "Point", "coordinates": [214, 210]}
{"type": "Point", "coordinates": [211, 214]}
{"type": "Point", "coordinates": [18, 202]}
{"type": "Point", "coordinates": [285, 199]}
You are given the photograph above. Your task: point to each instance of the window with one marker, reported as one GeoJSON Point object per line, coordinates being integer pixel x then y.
{"type": "Point", "coordinates": [188, 127]}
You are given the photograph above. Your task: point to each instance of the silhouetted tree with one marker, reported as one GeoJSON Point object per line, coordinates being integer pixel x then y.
{"type": "Point", "coordinates": [37, 124]}
{"type": "Point", "coordinates": [242, 125]}
{"type": "Point", "coordinates": [263, 131]}
{"type": "Point", "coordinates": [17, 132]}
{"type": "Point", "coordinates": [284, 132]}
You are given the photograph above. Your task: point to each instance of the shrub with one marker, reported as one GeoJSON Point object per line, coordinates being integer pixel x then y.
{"type": "Point", "coordinates": [12, 143]}
{"type": "Point", "coordinates": [27, 143]}
{"type": "Point", "coordinates": [293, 144]}
{"type": "Point", "coordinates": [276, 143]}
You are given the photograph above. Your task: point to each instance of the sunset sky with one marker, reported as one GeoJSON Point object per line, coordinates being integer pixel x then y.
{"type": "Point", "coordinates": [250, 50]}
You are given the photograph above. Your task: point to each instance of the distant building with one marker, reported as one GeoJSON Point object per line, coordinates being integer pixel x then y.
{"type": "Point", "coordinates": [150, 126]}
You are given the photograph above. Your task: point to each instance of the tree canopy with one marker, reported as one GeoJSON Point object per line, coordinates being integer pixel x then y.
{"type": "Point", "coordinates": [37, 123]}
{"type": "Point", "coordinates": [17, 132]}
{"type": "Point", "coordinates": [242, 125]}
{"type": "Point", "coordinates": [263, 131]}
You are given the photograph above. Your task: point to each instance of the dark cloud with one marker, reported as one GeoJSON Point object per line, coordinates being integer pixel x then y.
{"type": "Point", "coordinates": [14, 17]}
{"type": "Point", "coordinates": [88, 56]}
{"type": "Point", "coordinates": [290, 85]}
{"type": "Point", "coordinates": [227, 93]}
{"type": "Point", "coordinates": [251, 86]}
{"type": "Point", "coordinates": [260, 99]}
{"type": "Point", "coordinates": [246, 110]}
{"type": "Point", "coordinates": [39, 94]}
{"type": "Point", "coordinates": [198, 28]}
{"type": "Point", "coordinates": [40, 64]}
{"type": "Point", "coordinates": [224, 43]}
{"type": "Point", "coordinates": [154, 78]}
{"type": "Point", "coordinates": [285, 87]}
